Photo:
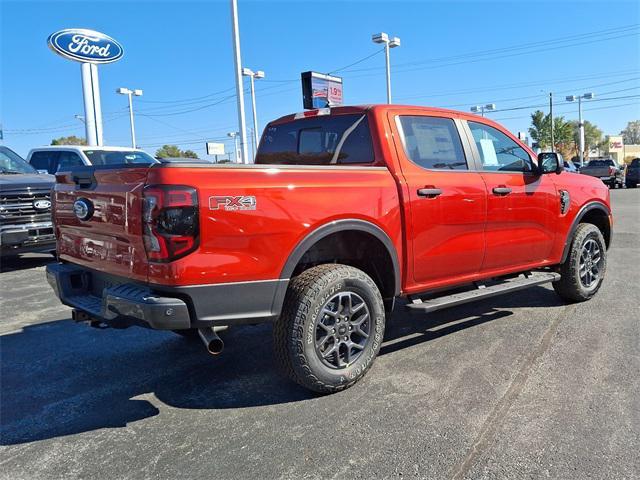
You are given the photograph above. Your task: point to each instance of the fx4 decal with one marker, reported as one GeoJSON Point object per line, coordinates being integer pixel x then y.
{"type": "Point", "coordinates": [231, 203]}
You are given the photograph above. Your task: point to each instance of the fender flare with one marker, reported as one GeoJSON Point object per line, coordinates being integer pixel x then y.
{"type": "Point", "coordinates": [340, 226]}
{"type": "Point", "coordinates": [576, 221]}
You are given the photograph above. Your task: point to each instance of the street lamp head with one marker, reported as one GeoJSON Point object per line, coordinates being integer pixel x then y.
{"type": "Point", "coordinates": [137, 92]}
{"type": "Point", "coordinates": [490, 106]}
{"type": "Point", "coordinates": [259, 74]}
{"type": "Point", "coordinates": [571, 98]}
{"type": "Point", "coordinates": [232, 134]}
{"type": "Point", "coordinates": [247, 72]}
{"type": "Point", "coordinates": [394, 42]}
{"type": "Point", "coordinates": [588, 96]}
{"type": "Point", "coordinates": [476, 108]}
{"type": "Point", "coordinates": [123, 91]}
{"type": "Point", "coordinates": [380, 38]}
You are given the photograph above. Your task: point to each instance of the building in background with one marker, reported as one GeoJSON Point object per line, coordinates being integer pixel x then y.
{"type": "Point", "coordinates": [620, 152]}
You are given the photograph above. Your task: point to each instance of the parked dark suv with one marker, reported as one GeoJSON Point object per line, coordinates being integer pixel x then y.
{"type": "Point", "coordinates": [632, 176]}
{"type": "Point", "coordinates": [25, 207]}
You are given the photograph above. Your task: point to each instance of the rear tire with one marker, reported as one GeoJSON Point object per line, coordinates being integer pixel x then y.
{"type": "Point", "coordinates": [330, 329]}
{"type": "Point", "coordinates": [584, 269]}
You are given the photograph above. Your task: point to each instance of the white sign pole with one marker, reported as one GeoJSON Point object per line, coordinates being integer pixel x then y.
{"type": "Point", "coordinates": [239, 87]}
{"type": "Point", "coordinates": [97, 108]}
{"type": "Point", "coordinates": [89, 110]}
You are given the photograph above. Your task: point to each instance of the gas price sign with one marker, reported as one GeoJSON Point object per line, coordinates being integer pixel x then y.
{"type": "Point", "coordinates": [320, 90]}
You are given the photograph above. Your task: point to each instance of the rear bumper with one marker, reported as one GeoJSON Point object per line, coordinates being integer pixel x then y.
{"type": "Point", "coordinates": [121, 303]}
{"type": "Point", "coordinates": [25, 238]}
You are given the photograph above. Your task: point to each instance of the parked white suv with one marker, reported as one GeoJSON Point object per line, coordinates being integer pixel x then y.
{"type": "Point", "coordinates": [52, 158]}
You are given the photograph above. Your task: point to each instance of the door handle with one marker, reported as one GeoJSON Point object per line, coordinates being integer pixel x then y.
{"type": "Point", "coordinates": [429, 192]}
{"type": "Point", "coordinates": [501, 190]}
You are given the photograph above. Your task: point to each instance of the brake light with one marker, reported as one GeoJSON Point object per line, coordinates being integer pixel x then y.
{"type": "Point", "coordinates": [612, 170]}
{"type": "Point", "coordinates": [170, 221]}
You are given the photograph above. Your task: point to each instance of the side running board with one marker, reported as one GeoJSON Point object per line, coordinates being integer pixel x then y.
{"type": "Point", "coordinates": [481, 292]}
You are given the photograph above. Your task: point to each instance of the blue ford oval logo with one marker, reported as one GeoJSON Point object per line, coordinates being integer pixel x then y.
{"type": "Point", "coordinates": [83, 208]}
{"type": "Point", "coordinates": [84, 45]}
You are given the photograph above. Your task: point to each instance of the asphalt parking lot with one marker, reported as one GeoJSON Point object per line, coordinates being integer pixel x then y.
{"type": "Point", "coordinates": [520, 386]}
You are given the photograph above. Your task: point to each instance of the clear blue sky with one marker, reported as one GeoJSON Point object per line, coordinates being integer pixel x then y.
{"type": "Point", "coordinates": [455, 53]}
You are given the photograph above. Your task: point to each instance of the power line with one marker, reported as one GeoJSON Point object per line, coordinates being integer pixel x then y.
{"type": "Point", "coordinates": [513, 48]}
{"type": "Point", "coordinates": [377, 52]}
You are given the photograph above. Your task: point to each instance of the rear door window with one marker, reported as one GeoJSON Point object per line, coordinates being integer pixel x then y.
{"type": "Point", "coordinates": [44, 161]}
{"type": "Point", "coordinates": [322, 140]}
{"type": "Point", "coordinates": [432, 142]}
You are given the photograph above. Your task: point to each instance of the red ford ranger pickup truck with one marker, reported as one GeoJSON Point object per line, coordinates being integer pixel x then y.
{"type": "Point", "coordinates": [344, 210]}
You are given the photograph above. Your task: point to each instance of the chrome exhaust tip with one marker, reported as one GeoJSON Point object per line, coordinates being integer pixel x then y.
{"type": "Point", "coordinates": [212, 341]}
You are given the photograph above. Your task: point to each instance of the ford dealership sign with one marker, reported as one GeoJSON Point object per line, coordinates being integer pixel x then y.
{"type": "Point", "coordinates": [84, 45]}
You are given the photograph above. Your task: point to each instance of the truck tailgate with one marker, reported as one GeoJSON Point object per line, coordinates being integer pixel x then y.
{"type": "Point", "coordinates": [110, 237]}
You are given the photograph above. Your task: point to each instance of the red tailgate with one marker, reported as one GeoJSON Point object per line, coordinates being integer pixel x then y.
{"type": "Point", "coordinates": [110, 238]}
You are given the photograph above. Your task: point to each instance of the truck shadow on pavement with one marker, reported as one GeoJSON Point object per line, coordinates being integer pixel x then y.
{"type": "Point", "coordinates": [60, 378]}
{"type": "Point", "coordinates": [13, 264]}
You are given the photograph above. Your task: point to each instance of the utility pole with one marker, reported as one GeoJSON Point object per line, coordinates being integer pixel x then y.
{"type": "Point", "coordinates": [130, 93]}
{"type": "Point", "coordinates": [573, 98]}
{"type": "Point", "coordinates": [553, 143]}
{"type": "Point", "coordinates": [388, 43]}
{"type": "Point", "coordinates": [235, 135]}
{"type": "Point", "coordinates": [247, 72]}
{"type": "Point", "coordinates": [239, 89]}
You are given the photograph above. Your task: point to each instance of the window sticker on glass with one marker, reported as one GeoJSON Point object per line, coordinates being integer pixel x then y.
{"type": "Point", "coordinates": [489, 156]}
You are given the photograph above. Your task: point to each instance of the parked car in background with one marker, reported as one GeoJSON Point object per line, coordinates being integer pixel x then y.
{"type": "Point", "coordinates": [606, 170]}
{"type": "Point", "coordinates": [632, 174]}
{"type": "Point", "coordinates": [344, 210]}
{"type": "Point", "coordinates": [569, 166]}
{"type": "Point", "coordinates": [53, 158]}
{"type": "Point", "coordinates": [25, 207]}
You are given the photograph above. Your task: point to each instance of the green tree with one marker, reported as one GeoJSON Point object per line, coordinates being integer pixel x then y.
{"type": "Point", "coordinates": [540, 131]}
{"type": "Point", "coordinates": [70, 140]}
{"type": "Point", "coordinates": [631, 134]}
{"type": "Point", "coordinates": [172, 151]}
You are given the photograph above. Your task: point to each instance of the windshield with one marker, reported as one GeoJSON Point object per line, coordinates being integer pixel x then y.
{"type": "Point", "coordinates": [12, 163]}
{"type": "Point", "coordinates": [111, 157]}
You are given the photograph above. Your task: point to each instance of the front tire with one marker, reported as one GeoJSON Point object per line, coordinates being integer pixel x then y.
{"type": "Point", "coordinates": [331, 327]}
{"type": "Point", "coordinates": [584, 269]}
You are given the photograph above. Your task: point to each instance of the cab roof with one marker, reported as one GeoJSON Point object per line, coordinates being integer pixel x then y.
{"type": "Point", "coordinates": [355, 109]}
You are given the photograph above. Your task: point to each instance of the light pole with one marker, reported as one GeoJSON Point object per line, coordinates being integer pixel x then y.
{"type": "Point", "coordinates": [573, 98]}
{"type": "Point", "coordinates": [242, 128]}
{"type": "Point", "coordinates": [489, 107]}
{"type": "Point", "coordinates": [252, 75]}
{"type": "Point", "coordinates": [235, 135]}
{"type": "Point", "coordinates": [130, 93]}
{"type": "Point", "coordinates": [388, 43]}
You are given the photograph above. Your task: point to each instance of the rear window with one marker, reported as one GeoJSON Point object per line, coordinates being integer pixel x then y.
{"type": "Point", "coordinates": [600, 163]}
{"type": "Point", "coordinates": [110, 157]}
{"type": "Point", "coordinates": [324, 140]}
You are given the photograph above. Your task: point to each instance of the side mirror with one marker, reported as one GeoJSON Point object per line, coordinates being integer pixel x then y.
{"type": "Point", "coordinates": [549, 162]}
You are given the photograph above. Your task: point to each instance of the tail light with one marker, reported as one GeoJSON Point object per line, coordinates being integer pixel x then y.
{"type": "Point", "coordinates": [170, 222]}
{"type": "Point", "coordinates": [612, 171]}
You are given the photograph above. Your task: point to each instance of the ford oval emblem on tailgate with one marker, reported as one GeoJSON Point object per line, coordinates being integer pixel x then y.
{"type": "Point", "coordinates": [83, 208]}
